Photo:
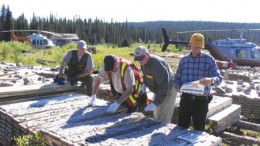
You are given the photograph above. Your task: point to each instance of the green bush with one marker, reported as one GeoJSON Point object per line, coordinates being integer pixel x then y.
{"type": "Point", "coordinates": [5, 53]}
{"type": "Point", "coordinates": [17, 55]}
{"type": "Point", "coordinates": [29, 140]}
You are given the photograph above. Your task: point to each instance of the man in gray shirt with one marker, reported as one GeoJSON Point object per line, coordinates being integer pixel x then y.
{"type": "Point", "coordinates": [80, 66]}
{"type": "Point", "coordinates": [158, 77]}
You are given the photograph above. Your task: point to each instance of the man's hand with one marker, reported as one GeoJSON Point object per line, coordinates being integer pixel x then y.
{"type": "Point", "coordinates": [113, 107]}
{"type": "Point", "coordinates": [73, 80]}
{"type": "Point", "coordinates": [60, 82]}
{"type": "Point", "coordinates": [206, 81]}
{"type": "Point", "coordinates": [60, 75]}
{"type": "Point", "coordinates": [93, 100]}
{"type": "Point", "coordinates": [150, 107]}
{"type": "Point", "coordinates": [143, 89]}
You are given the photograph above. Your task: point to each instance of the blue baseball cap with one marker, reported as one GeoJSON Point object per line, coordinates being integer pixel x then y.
{"type": "Point", "coordinates": [109, 62]}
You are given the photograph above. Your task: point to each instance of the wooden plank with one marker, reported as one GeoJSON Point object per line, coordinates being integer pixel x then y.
{"type": "Point", "coordinates": [218, 104]}
{"type": "Point", "coordinates": [53, 139]}
{"type": "Point", "coordinates": [248, 125]}
{"type": "Point", "coordinates": [162, 134]}
{"type": "Point", "coordinates": [7, 74]}
{"type": "Point", "coordinates": [219, 117]}
{"type": "Point", "coordinates": [66, 129]}
{"type": "Point", "coordinates": [240, 139]}
{"type": "Point", "coordinates": [8, 78]}
{"type": "Point", "coordinates": [225, 118]}
{"type": "Point", "coordinates": [103, 128]}
{"type": "Point", "coordinates": [35, 90]}
{"type": "Point", "coordinates": [30, 98]}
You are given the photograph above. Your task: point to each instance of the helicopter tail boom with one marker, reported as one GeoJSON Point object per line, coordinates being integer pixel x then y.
{"type": "Point", "coordinates": [167, 41]}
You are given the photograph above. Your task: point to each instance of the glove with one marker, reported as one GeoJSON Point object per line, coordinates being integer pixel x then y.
{"type": "Point", "coordinates": [143, 89]}
{"type": "Point", "coordinates": [73, 80]}
{"type": "Point", "coordinates": [60, 82]}
{"type": "Point", "coordinates": [113, 107]}
{"type": "Point", "coordinates": [93, 100]}
{"type": "Point", "coordinates": [150, 107]}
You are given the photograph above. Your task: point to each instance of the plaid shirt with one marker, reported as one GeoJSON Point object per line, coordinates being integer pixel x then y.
{"type": "Point", "coordinates": [195, 68]}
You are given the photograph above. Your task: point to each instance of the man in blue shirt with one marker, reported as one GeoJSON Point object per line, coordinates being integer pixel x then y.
{"type": "Point", "coordinates": [196, 66]}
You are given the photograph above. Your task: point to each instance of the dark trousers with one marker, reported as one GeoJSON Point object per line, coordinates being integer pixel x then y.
{"type": "Point", "coordinates": [88, 81]}
{"type": "Point", "coordinates": [195, 109]}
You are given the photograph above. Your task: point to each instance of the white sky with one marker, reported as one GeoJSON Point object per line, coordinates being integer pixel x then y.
{"type": "Point", "coordinates": [141, 10]}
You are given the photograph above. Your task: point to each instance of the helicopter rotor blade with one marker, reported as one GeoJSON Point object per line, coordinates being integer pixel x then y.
{"type": "Point", "coordinates": [52, 33]}
{"type": "Point", "coordinates": [38, 31]}
{"type": "Point", "coordinates": [220, 30]}
{"type": "Point", "coordinates": [20, 30]}
{"type": "Point", "coordinates": [255, 29]}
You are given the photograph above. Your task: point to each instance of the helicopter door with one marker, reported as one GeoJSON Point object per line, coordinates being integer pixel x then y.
{"type": "Point", "coordinates": [40, 42]}
{"type": "Point", "coordinates": [241, 53]}
{"type": "Point", "coordinates": [255, 54]}
{"type": "Point", "coordinates": [34, 42]}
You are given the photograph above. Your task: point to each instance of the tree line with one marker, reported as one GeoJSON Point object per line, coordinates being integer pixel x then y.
{"type": "Point", "coordinates": [96, 30]}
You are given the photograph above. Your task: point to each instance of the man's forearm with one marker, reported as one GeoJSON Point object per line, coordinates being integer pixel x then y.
{"type": "Point", "coordinates": [86, 73]}
{"type": "Point", "coordinates": [96, 84]}
{"type": "Point", "coordinates": [125, 95]}
{"type": "Point", "coordinates": [62, 66]}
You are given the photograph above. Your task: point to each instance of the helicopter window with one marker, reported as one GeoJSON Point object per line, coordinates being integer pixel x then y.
{"type": "Point", "coordinates": [45, 42]}
{"type": "Point", "coordinates": [241, 53]}
{"type": "Point", "coordinates": [255, 54]}
{"type": "Point", "coordinates": [34, 42]}
{"type": "Point", "coordinates": [252, 53]}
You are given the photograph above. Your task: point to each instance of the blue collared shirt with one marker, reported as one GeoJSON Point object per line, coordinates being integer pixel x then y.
{"type": "Point", "coordinates": [195, 68]}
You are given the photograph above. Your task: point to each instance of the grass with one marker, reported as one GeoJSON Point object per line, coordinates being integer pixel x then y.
{"type": "Point", "coordinates": [18, 52]}
{"type": "Point", "coordinates": [251, 133]}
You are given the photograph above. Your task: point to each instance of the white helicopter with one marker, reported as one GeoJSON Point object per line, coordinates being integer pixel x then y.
{"type": "Point", "coordinates": [40, 42]}
{"type": "Point", "coordinates": [37, 40]}
{"type": "Point", "coordinates": [236, 50]}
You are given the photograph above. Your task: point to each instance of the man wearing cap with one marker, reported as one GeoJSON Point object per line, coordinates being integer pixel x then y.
{"type": "Point", "coordinates": [80, 66]}
{"type": "Point", "coordinates": [196, 66]}
{"type": "Point", "coordinates": [158, 77]}
{"type": "Point", "coordinates": [124, 80]}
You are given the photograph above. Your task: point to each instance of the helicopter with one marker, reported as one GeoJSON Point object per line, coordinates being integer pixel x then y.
{"type": "Point", "coordinates": [238, 50]}
{"type": "Point", "coordinates": [36, 39]}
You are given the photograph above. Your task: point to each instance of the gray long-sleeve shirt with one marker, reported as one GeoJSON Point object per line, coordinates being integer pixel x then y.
{"type": "Point", "coordinates": [158, 77]}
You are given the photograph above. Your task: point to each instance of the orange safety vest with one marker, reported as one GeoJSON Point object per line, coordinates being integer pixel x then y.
{"type": "Point", "coordinates": [131, 101]}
